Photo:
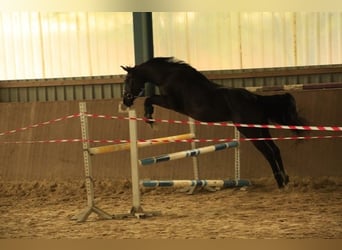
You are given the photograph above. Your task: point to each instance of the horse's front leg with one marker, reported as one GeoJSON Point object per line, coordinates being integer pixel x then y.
{"type": "Point", "coordinates": [162, 101]}
{"type": "Point", "coordinates": [149, 109]}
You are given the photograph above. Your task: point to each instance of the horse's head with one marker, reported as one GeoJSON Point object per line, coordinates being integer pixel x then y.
{"type": "Point", "coordinates": [134, 86]}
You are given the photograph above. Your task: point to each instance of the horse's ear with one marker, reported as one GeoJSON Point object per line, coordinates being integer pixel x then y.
{"type": "Point", "coordinates": [126, 68]}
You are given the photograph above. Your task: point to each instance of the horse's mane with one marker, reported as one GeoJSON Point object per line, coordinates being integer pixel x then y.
{"type": "Point", "coordinates": [169, 61]}
{"type": "Point", "coordinates": [172, 64]}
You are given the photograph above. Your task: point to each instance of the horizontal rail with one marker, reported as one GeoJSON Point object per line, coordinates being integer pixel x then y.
{"type": "Point", "coordinates": [55, 82]}
{"type": "Point", "coordinates": [126, 146]}
{"type": "Point", "coordinates": [212, 75]}
{"type": "Point", "coordinates": [187, 153]}
{"type": "Point", "coordinates": [194, 183]}
{"type": "Point", "coordinates": [277, 72]}
{"type": "Point", "coordinates": [311, 86]}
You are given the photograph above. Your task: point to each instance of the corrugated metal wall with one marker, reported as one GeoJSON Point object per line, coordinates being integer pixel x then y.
{"type": "Point", "coordinates": [109, 87]}
{"type": "Point", "coordinates": [62, 89]}
{"type": "Point", "coordinates": [49, 45]}
{"type": "Point", "coordinates": [242, 40]}
{"type": "Point", "coordinates": [277, 76]}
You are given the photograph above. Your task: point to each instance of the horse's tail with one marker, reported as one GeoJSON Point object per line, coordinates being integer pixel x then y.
{"type": "Point", "coordinates": [282, 109]}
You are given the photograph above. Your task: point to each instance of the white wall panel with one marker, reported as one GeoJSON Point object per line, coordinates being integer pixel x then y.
{"type": "Point", "coordinates": [48, 45]}
{"type": "Point", "coordinates": [194, 37]}
{"type": "Point", "coordinates": [228, 40]}
{"type": "Point", "coordinates": [335, 42]}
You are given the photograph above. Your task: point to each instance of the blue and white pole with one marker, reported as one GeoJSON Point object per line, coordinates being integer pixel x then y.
{"type": "Point", "coordinates": [187, 153]}
{"type": "Point", "coordinates": [194, 183]}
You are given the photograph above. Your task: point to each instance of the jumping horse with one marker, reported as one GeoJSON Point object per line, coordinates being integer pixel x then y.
{"type": "Point", "coordinates": [185, 90]}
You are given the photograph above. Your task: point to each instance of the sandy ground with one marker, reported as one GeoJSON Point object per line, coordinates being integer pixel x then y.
{"type": "Point", "coordinates": [308, 208]}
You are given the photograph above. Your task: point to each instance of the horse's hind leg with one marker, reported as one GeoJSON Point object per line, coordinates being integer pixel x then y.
{"type": "Point", "coordinates": [279, 161]}
{"type": "Point", "coordinates": [270, 151]}
{"type": "Point", "coordinates": [272, 154]}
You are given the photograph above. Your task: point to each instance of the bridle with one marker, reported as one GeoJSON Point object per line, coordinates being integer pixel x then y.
{"type": "Point", "coordinates": [129, 95]}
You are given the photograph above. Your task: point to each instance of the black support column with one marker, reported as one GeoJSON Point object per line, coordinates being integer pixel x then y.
{"type": "Point", "coordinates": [143, 42]}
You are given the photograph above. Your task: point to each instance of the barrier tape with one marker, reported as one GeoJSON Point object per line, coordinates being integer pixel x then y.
{"type": "Point", "coordinates": [40, 124]}
{"type": "Point", "coordinates": [224, 124]}
{"type": "Point", "coordinates": [42, 141]}
{"type": "Point", "coordinates": [228, 124]}
{"type": "Point", "coordinates": [117, 141]}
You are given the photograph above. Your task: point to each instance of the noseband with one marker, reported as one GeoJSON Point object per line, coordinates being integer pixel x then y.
{"type": "Point", "coordinates": [129, 95]}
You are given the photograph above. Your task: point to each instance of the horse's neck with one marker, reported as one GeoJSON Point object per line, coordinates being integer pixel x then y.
{"type": "Point", "coordinates": [152, 75]}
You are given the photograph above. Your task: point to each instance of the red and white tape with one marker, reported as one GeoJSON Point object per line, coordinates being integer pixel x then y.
{"type": "Point", "coordinates": [224, 124]}
{"type": "Point", "coordinates": [40, 124]}
{"type": "Point", "coordinates": [117, 141]}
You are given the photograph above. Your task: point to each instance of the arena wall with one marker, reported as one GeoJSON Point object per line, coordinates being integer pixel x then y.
{"type": "Point", "coordinates": [63, 161]}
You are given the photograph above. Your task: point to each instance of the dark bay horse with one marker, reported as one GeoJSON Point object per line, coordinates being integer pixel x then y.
{"type": "Point", "coordinates": [187, 91]}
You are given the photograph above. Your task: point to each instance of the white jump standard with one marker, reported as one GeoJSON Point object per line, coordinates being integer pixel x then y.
{"type": "Point", "coordinates": [187, 153]}
{"type": "Point", "coordinates": [89, 181]}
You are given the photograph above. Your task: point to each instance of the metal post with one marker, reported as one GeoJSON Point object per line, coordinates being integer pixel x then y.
{"type": "Point", "coordinates": [86, 158]}
{"type": "Point", "coordinates": [237, 156]}
{"type": "Point", "coordinates": [88, 172]}
{"type": "Point", "coordinates": [193, 146]}
{"type": "Point", "coordinates": [195, 162]}
{"type": "Point", "coordinates": [191, 190]}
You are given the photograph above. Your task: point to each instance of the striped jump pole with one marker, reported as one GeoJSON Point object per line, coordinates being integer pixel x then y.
{"type": "Point", "coordinates": [141, 144]}
{"type": "Point", "coordinates": [194, 183]}
{"type": "Point", "coordinates": [187, 153]}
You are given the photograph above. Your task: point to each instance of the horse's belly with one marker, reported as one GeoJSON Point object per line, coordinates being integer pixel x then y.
{"type": "Point", "coordinates": [211, 115]}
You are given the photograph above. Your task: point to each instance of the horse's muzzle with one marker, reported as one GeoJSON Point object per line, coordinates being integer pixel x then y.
{"type": "Point", "coordinates": [128, 99]}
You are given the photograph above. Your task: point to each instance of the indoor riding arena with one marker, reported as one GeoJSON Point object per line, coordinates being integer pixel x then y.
{"type": "Point", "coordinates": [73, 158]}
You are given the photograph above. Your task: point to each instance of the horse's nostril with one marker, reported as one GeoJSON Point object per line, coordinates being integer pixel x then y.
{"type": "Point", "coordinates": [127, 102]}
{"type": "Point", "coordinates": [128, 99]}
{"type": "Point", "coordinates": [128, 95]}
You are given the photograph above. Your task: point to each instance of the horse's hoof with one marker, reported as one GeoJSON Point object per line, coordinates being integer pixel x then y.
{"type": "Point", "coordinates": [280, 180]}
{"type": "Point", "coordinates": [148, 118]}
{"type": "Point", "coordinates": [284, 183]}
